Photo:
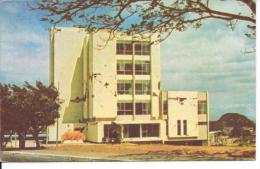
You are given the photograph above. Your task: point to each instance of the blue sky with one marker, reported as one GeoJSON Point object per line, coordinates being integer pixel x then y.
{"type": "Point", "coordinates": [208, 59]}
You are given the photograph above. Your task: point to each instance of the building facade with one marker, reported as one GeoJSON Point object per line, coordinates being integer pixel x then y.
{"type": "Point", "coordinates": [110, 87]}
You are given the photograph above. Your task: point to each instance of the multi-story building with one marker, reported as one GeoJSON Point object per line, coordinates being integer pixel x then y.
{"type": "Point", "coordinates": [111, 88]}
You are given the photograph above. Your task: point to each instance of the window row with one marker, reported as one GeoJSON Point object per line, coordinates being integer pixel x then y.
{"type": "Point", "coordinates": [132, 130]}
{"type": "Point", "coordinates": [126, 67]}
{"type": "Point", "coordinates": [127, 108]}
{"type": "Point", "coordinates": [130, 47]}
{"type": "Point", "coordinates": [142, 87]}
{"type": "Point", "coordinates": [202, 107]}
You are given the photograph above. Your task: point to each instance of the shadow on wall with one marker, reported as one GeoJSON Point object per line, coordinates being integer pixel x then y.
{"type": "Point", "coordinates": [74, 111]}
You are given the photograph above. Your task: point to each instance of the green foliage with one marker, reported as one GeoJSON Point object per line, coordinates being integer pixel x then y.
{"type": "Point", "coordinates": [27, 109]}
{"type": "Point", "coordinates": [43, 104]}
{"type": "Point", "coordinates": [5, 114]}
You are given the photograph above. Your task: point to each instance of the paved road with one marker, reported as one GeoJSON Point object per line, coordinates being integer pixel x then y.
{"type": "Point", "coordinates": [18, 156]}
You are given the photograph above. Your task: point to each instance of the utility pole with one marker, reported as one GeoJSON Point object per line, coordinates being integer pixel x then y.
{"type": "Point", "coordinates": [57, 122]}
{"type": "Point", "coordinates": [57, 131]}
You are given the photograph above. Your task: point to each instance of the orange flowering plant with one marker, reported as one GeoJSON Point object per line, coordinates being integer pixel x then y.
{"type": "Point", "coordinates": [72, 135]}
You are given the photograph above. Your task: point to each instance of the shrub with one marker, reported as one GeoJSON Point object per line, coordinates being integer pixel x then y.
{"type": "Point", "coordinates": [72, 135]}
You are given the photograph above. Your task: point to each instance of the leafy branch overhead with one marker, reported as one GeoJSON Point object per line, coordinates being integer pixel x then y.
{"type": "Point", "coordinates": [142, 16]}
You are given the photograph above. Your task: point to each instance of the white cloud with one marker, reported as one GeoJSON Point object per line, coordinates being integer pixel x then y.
{"type": "Point", "coordinates": [24, 48]}
{"type": "Point", "coordinates": [231, 6]}
{"type": "Point", "coordinates": [211, 59]}
{"type": "Point", "coordinates": [24, 52]}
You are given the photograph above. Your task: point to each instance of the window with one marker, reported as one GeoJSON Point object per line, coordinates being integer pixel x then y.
{"type": "Point", "coordinates": [124, 87]}
{"type": "Point", "coordinates": [131, 130]}
{"type": "Point", "coordinates": [202, 107]}
{"type": "Point", "coordinates": [203, 123]}
{"type": "Point", "coordinates": [179, 127]}
{"type": "Point", "coordinates": [185, 127]}
{"type": "Point", "coordinates": [142, 67]}
{"type": "Point", "coordinates": [111, 131]}
{"type": "Point", "coordinates": [143, 108]}
{"type": "Point", "coordinates": [142, 87]}
{"type": "Point", "coordinates": [124, 67]}
{"type": "Point", "coordinates": [107, 131]}
{"type": "Point", "coordinates": [165, 107]}
{"type": "Point", "coordinates": [124, 108]}
{"type": "Point", "coordinates": [124, 48]}
{"type": "Point", "coordinates": [150, 130]}
{"type": "Point", "coordinates": [142, 48]}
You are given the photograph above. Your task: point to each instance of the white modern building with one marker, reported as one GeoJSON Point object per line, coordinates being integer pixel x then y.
{"type": "Point", "coordinates": [110, 87]}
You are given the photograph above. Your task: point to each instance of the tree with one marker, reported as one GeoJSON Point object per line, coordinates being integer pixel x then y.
{"type": "Point", "coordinates": [27, 109]}
{"type": "Point", "coordinates": [142, 16]}
{"type": "Point", "coordinates": [44, 108]}
{"type": "Point", "coordinates": [5, 114]}
{"type": "Point", "coordinates": [244, 135]}
{"type": "Point", "coordinates": [20, 109]}
{"type": "Point", "coordinates": [14, 115]}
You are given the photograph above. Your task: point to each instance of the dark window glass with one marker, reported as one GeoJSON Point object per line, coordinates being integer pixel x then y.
{"type": "Point", "coordinates": [124, 87]}
{"type": "Point", "coordinates": [124, 48]}
{"type": "Point", "coordinates": [142, 87]}
{"type": "Point", "coordinates": [111, 131]}
{"type": "Point", "coordinates": [142, 48]}
{"type": "Point", "coordinates": [165, 107]}
{"type": "Point", "coordinates": [128, 68]}
{"type": "Point", "coordinates": [143, 108]}
{"type": "Point", "coordinates": [202, 107]}
{"type": "Point", "coordinates": [124, 67]}
{"type": "Point", "coordinates": [107, 132]}
{"type": "Point", "coordinates": [124, 108]}
{"type": "Point", "coordinates": [131, 130]}
{"type": "Point", "coordinates": [178, 127]}
{"type": "Point", "coordinates": [142, 68]}
{"type": "Point", "coordinates": [203, 123]}
{"type": "Point", "coordinates": [150, 130]}
{"type": "Point", "coordinates": [185, 127]}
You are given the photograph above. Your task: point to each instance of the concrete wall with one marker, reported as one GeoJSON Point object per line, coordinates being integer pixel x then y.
{"type": "Point", "coordinates": [185, 111]}
{"type": "Point", "coordinates": [85, 77]}
{"type": "Point", "coordinates": [203, 119]}
{"type": "Point", "coordinates": [155, 78]}
{"type": "Point", "coordinates": [66, 72]}
{"type": "Point", "coordinates": [203, 132]}
{"type": "Point", "coordinates": [92, 132]}
{"type": "Point", "coordinates": [104, 84]}
{"type": "Point", "coordinates": [197, 124]}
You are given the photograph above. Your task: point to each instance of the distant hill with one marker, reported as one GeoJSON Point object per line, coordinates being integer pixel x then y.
{"type": "Point", "coordinates": [231, 120]}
